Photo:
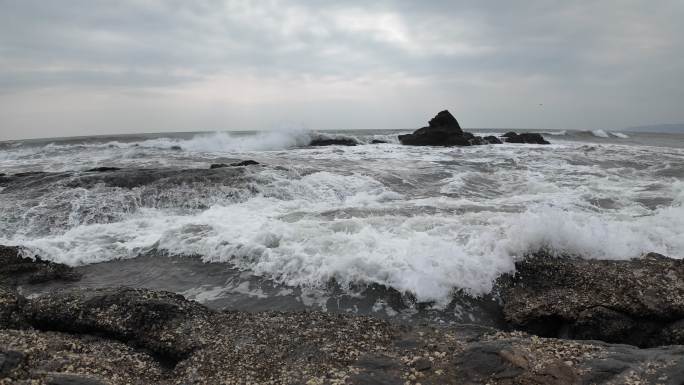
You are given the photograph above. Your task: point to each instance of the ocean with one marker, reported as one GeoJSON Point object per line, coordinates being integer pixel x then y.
{"type": "Point", "coordinates": [379, 228]}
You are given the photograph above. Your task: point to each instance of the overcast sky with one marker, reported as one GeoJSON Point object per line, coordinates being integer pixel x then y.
{"type": "Point", "coordinates": [82, 67]}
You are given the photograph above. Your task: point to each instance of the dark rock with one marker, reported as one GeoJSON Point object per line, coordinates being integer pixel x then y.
{"type": "Point", "coordinates": [490, 361]}
{"type": "Point", "coordinates": [29, 173]}
{"type": "Point", "coordinates": [377, 362]}
{"type": "Point", "coordinates": [176, 148]}
{"type": "Point", "coordinates": [131, 178]}
{"type": "Point", "coordinates": [11, 305]}
{"type": "Point", "coordinates": [16, 269]}
{"type": "Point", "coordinates": [422, 364]}
{"type": "Point", "coordinates": [103, 169]}
{"type": "Point", "coordinates": [638, 302]}
{"type": "Point", "coordinates": [9, 360]}
{"type": "Point", "coordinates": [156, 321]}
{"type": "Point", "coordinates": [236, 164]}
{"type": "Point", "coordinates": [71, 379]}
{"type": "Point", "coordinates": [444, 119]}
{"type": "Point", "coordinates": [526, 137]}
{"type": "Point", "coordinates": [443, 130]}
{"type": "Point", "coordinates": [375, 378]}
{"type": "Point", "coordinates": [491, 139]}
{"type": "Point", "coordinates": [477, 141]}
{"type": "Point", "coordinates": [333, 142]}
{"type": "Point", "coordinates": [377, 141]}
{"type": "Point", "coordinates": [127, 336]}
{"type": "Point", "coordinates": [244, 163]}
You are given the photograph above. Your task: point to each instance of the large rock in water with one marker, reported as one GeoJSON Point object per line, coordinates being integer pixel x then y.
{"type": "Point", "coordinates": [443, 130]}
{"type": "Point", "coordinates": [525, 137]}
{"type": "Point", "coordinates": [638, 302]}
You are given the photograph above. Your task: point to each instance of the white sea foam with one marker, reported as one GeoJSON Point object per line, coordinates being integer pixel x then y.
{"type": "Point", "coordinates": [620, 135]}
{"type": "Point", "coordinates": [600, 133]}
{"type": "Point", "coordinates": [230, 142]}
{"type": "Point", "coordinates": [424, 220]}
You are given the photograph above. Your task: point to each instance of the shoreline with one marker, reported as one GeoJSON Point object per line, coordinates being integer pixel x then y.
{"type": "Point", "coordinates": [140, 336]}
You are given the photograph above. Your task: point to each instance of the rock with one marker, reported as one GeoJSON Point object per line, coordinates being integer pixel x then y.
{"type": "Point", "coordinates": [176, 148]}
{"type": "Point", "coordinates": [377, 141]}
{"type": "Point", "coordinates": [11, 305]}
{"type": "Point", "coordinates": [490, 361]}
{"type": "Point", "coordinates": [103, 169]}
{"type": "Point", "coordinates": [491, 139]}
{"type": "Point", "coordinates": [422, 364]}
{"type": "Point", "coordinates": [236, 164]}
{"type": "Point", "coordinates": [443, 130]}
{"type": "Point", "coordinates": [526, 137]}
{"type": "Point", "coordinates": [638, 302]}
{"type": "Point", "coordinates": [9, 360]}
{"type": "Point", "coordinates": [160, 322]}
{"type": "Point", "coordinates": [137, 336]}
{"type": "Point", "coordinates": [375, 379]}
{"type": "Point", "coordinates": [244, 163]}
{"type": "Point", "coordinates": [444, 119]}
{"type": "Point", "coordinates": [70, 379]}
{"type": "Point", "coordinates": [49, 357]}
{"type": "Point", "coordinates": [16, 269]}
{"type": "Point", "coordinates": [333, 142]}
{"type": "Point", "coordinates": [377, 362]}
{"type": "Point", "coordinates": [29, 173]}
{"type": "Point", "coordinates": [156, 179]}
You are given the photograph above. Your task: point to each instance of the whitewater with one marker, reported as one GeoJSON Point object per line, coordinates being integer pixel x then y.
{"type": "Point", "coordinates": [424, 221]}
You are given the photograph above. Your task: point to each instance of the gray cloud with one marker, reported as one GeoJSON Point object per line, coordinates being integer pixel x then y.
{"type": "Point", "coordinates": [593, 64]}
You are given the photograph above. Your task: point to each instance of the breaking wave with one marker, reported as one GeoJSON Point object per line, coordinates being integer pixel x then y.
{"type": "Point", "coordinates": [422, 220]}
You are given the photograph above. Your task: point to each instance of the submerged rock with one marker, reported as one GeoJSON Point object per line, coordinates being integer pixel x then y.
{"type": "Point", "coordinates": [638, 302]}
{"type": "Point", "coordinates": [333, 142]}
{"type": "Point", "coordinates": [244, 163]}
{"type": "Point", "coordinates": [236, 164]}
{"type": "Point", "coordinates": [103, 169]}
{"type": "Point", "coordinates": [525, 137]}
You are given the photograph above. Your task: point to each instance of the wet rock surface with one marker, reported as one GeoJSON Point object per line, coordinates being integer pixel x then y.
{"type": "Point", "coordinates": [141, 336]}
{"type": "Point", "coordinates": [127, 336]}
{"type": "Point", "coordinates": [236, 164]}
{"type": "Point", "coordinates": [129, 178]}
{"type": "Point", "coordinates": [16, 269]}
{"type": "Point", "coordinates": [638, 302]}
{"type": "Point", "coordinates": [103, 169]}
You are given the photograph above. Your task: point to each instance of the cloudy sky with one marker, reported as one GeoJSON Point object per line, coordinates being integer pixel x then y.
{"type": "Point", "coordinates": [81, 67]}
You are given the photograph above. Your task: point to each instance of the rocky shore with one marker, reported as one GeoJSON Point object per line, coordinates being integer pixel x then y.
{"type": "Point", "coordinates": [139, 336]}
